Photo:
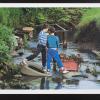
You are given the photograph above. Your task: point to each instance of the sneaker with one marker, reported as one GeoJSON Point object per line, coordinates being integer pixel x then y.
{"type": "Point", "coordinates": [65, 71]}
{"type": "Point", "coordinates": [44, 69]}
{"type": "Point", "coordinates": [49, 72]}
{"type": "Point", "coordinates": [62, 70]}
{"type": "Point", "coordinates": [24, 61]}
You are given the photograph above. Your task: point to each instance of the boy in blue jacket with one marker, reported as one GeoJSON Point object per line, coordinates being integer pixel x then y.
{"type": "Point", "coordinates": [52, 52]}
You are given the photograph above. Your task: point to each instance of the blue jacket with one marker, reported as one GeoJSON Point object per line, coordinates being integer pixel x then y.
{"type": "Point", "coordinates": [52, 41]}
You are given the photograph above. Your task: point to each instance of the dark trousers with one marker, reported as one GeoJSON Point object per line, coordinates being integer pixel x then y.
{"type": "Point", "coordinates": [40, 49]}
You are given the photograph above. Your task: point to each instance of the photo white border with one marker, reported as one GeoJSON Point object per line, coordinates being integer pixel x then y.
{"type": "Point", "coordinates": [65, 91]}
{"type": "Point", "coordinates": [14, 5]}
{"type": "Point", "coordinates": [50, 5]}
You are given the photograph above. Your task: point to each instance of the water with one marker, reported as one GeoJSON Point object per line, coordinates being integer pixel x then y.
{"type": "Point", "coordinates": [82, 80]}
{"type": "Point", "coordinates": [47, 83]}
{"type": "Point", "coordinates": [19, 59]}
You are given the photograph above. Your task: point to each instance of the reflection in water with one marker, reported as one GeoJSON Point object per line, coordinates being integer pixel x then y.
{"type": "Point", "coordinates": [44, 83]}
{"type": "Point", "coordinates": [59, 85]}
{"type": "Point", "coordinates": [72, 81]}
{"type": "Point", "coordinates": [57, 79]}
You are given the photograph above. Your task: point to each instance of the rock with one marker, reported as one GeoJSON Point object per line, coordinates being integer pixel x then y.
{"type": "Point", "coordinates": [26, 70]}
{"type": "Point", "coordinates": [14, 54]}
{"type": "Point", "coordinates": [98, 69]}
{"type": "Point", "coordinates": [1, 75]}
{"type": "Point", "coordinates": [84, 76]}
{"type": "Point", "coordinates": [6, 84]}
{"type": "Point", "coordinates": [64, 80]}
{"type": "Point", "coordinates": [20, 52]}
{"type": "Point", "coordinates": [1, 82]}
{"type": "Point", "coordinates": [71, 74]}
{"type": "Point", "coordinates": [18, 85]}
{"type": "Point", "coordinates": [98, 78]}
{"type": "Point", "coordinates": [18, 76]}
{"type": "Point", "coordinates": [91, 77]}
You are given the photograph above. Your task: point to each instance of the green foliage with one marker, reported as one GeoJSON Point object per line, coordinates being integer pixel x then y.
{"type": "Point", "coordinates": [55, 15]}
{"type": "Point", "coordinates": [3, 46]}
{"type": "Point", "coordinates": [10, 17]}
{"type": "Point", "coordinates": [7, 42]}
{"type": "Point", "coordinates": [17, 17]}
{"type": "Point", "coordinates": [25, 40]}
{"type": "Point", "coordinates": [14, 19]}
{"type": "Point", "coordinates": [4, 50]}
{"type": "Point", "coordinates": [40, 18]}
{"type": "Point", "coordinates": [89, 16]}
{"type": "Point", "coordinates": [63, 15]}
{"type": "Point", "coordinates": [92, 14]}
{"type": "Point", "coordinates": [4, 15]}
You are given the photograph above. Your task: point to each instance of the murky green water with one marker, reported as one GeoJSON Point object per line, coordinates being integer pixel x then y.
{"type": "Point", "coordinates": [79, 80]}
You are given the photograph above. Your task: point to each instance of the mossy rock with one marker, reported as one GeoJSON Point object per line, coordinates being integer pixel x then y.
{"type": "Point", "coordinates": [1, 75]}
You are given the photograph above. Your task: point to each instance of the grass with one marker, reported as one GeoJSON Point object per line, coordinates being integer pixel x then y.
{"type": "Point", "coordinates": [90, 15]}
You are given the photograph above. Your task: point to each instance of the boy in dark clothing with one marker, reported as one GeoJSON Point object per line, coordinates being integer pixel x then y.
{"type": "Point", "coordinates": [41, 47]}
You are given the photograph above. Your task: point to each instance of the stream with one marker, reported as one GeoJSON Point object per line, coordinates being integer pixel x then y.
{"type": "Point", "coordinates": [86, 78]}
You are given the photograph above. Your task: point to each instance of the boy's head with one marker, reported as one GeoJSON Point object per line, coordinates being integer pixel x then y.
{"type": "Point", "coordinates": [45, 27]}
{"type": "Point", "coordinates": [51, 30]}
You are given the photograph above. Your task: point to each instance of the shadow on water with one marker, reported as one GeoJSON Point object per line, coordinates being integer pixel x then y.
{"type": "Point", "coordinates": [59, 86]}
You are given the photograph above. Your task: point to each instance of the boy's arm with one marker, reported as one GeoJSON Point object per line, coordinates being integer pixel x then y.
{"type": "Point", "coordinates": [57, 42]}
{"type": "Point", "coordinates": [39, 36]}
{"type": "Point", "coordinates": [47, 43]}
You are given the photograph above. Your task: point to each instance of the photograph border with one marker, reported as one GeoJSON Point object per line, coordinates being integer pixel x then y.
{"type": "Point", "coordinates": [51, 5]}
{"type": "Point", "coordinates": [49, 1]}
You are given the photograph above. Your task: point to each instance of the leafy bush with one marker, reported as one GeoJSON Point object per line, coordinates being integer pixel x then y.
{"type": "Point", "coordinates": [25, 40]}
{"type": "Point", "coordinates": [7, 42]}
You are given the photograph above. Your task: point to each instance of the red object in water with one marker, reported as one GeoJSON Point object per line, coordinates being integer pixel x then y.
{"type": "Point", "coordinates": [70, 65]}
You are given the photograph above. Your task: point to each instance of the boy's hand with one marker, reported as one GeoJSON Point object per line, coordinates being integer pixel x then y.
{"type": "Point", "coordinates": [46, 48]}
{"type": "Point", "coordinates": [57, 49]}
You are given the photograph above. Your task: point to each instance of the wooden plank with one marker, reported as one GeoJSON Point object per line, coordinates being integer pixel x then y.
{"type": "Point", "coordinates": [61, 27]}
{"type": "Point", "coordinates": [96, 52]}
